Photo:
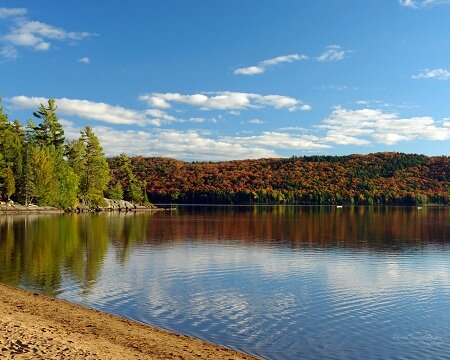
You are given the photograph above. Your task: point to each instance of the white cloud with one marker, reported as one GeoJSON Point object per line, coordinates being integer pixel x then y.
{"type": "Point", "coordinates": [439, 74]}
{"type": "Point", "coordinates": [85, 109]}
{"type": "Point", "coordinates": [333, 53]}
{"type": "Point", "coordinates": [293, 128]}
{"type": "Point", "coordinates": [84, 60]}
{"type": "Point", "coordinates": [102, 112]}
{"type": "Point", "coordinates": [256, 122]}
{"type": "Point", "coordinates": [12, 12]}
{"type": "Point", "coordinates": [189, 145]}
{"type": "Point", "coordinates": [361, 127]}
{"type": "Point", "coordinates": [9, 52]}
{"type": "Point", "coordinates": [304, 107]}
{"type": "Point", "coordinates": [408, 3]}
{"type": "Point", "coordinates": [38, 35]}
{"type": "Point", "coordinates": [418, 4]}
{"type": "Point", "coordinates": [281, 140]}
{"type": "Point", "coordinates": [34, 34]}
{"type": "Point", "coordinates": [225, 100]}
{"type": "Point", "coordinates": [264, 65]}
{"type": "Point", "coordinates": [336, 87]}
{"type": "Point", "coordinates": [251, 70]}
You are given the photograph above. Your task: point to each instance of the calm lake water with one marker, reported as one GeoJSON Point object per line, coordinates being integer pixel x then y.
{"type": "Point", "coordinates": [278, 282]}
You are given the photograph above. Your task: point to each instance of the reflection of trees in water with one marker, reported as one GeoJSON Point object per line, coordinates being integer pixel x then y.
{"type": "Point", "coordinates": [352, 227]}
{"type": "Point", "coordinates": [40, 251]}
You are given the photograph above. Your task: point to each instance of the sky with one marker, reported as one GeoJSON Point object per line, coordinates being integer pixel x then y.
{"type": "Point", "coordinates": [221, 80]}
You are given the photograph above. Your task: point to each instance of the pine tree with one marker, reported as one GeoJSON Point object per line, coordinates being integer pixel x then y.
{"type": "Point", "coordinates": [11, 140]}
{"type": "Point", "coordinates": [75, 153]}
{"type": "Point", "coordinates": [95, 175]}
{"type": "Point", "coordinates": [27, 181]}
{"type": "Point", "coordinates": [115, 192]}
{"type": "Point", "coordinates": [68, 182]}
{"type": "Point", "coordinates": [45, 181]}
{"type": "Point", "coordinates": [49, 131]}
{"type": "Point", "coordinates": [133, 190]}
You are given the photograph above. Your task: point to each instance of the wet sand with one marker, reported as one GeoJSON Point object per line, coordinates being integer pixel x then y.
{"type": "Point", "coordinates": [34, 326]}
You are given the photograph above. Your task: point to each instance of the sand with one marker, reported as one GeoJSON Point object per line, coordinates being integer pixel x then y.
{"type": "Point", "coordinates": [34, 326]}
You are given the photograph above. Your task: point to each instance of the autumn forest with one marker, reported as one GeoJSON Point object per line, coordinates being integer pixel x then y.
{"type": "Point", "coordinates": [39, 165]}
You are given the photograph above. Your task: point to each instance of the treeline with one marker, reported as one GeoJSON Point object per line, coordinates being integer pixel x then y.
{"type": "Point", "coordinates": [374, 179]}
{"type": "Point", "coordinates": [38, 166]}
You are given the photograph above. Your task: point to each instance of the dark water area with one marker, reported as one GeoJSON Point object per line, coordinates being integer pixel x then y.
{"type": "Point", "coordinates": [278, 282]}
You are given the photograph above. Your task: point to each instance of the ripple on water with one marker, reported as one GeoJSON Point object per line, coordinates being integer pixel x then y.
{"type": "Point", "coordinates": [289, 296]}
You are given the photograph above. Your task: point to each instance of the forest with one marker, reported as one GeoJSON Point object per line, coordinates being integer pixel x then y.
{"type": "Point", "coordinates": [38, 165]}
{"type": "Point", "coordinates": [374, 179]}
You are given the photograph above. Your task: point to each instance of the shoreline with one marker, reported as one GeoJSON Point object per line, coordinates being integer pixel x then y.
{"type": "Point", "coordinates": [37, 326]}
{"type": "Point", "coordinates": [112, 206]}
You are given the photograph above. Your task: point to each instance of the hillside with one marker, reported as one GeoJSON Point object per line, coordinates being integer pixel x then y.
{"type": "Point", "coordinates": [380, 178]}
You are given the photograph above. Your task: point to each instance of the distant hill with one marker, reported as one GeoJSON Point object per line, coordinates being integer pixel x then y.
{"type": "Point", "coordinates": [380, 178]}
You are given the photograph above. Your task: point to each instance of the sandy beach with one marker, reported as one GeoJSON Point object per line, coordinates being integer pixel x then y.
{"type": "Point", "coordinates": [34, 326]}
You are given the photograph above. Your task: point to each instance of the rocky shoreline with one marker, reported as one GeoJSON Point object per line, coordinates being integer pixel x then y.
{"type": "Point", "coordinates": [115, 205]}
{"type": "Point", "coordinates": [11, 208]}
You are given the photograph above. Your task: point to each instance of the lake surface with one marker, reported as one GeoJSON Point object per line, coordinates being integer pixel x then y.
{"type": "Point", "coordinates": [278, 282]}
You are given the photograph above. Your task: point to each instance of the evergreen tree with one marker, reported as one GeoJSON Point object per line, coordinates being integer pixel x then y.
{"type": "Point", "coordinates": [68, 183]}
{"type": "Point", "coordinates": [75, 153]}
{"type": "Point", "coordinates": [11, 140]}
{"type": "Point", "coordinates": [115, 192]}
{"type": "Point", "coordinates": [49, 131]}
{"type": "Point", "coordinates": [95, 173]}
{"type": "Point", "coordinates": [134, 188]}
{"type": "Point", "coordinates": [27, 186]}
{"type": "Point", "coordinates": [45, 180]}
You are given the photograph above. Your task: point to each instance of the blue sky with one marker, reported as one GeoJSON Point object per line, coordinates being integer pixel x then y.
{"type": "Point", "coordinates": [217, 80]}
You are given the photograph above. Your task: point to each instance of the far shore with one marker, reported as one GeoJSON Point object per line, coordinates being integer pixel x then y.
{"type": "Point", "coordinates": [11, 208]}
{"type": "Point", "coordinates": [37, 326]}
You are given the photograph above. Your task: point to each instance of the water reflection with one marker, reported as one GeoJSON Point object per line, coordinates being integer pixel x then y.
{"type": "Point", "coordinates": [281, 282]}
{"type": "Point", "coordinates": [36, 249]}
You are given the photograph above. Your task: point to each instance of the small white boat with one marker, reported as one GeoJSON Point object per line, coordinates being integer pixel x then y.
{"type": "Point", "coordinates": [419, 208]}
{"type": "Point", "coordinates": [339, 207]}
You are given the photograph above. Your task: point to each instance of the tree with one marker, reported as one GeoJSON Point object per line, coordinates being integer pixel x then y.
{"type": "Point", "coordinates": [134, 189]}
{"type": "Point", "coordinates": [115, 192]}
{"type": "Point", "coordinates": [45, 181]}
{"type": "Point", "coordinates": [11, 140]}
{"type": "Point", "coordinates": [75, 153]}
{"type": "Point", "coordinates": [68, 186]}
{"type": "Point", "coordinates": [49, 131]}
{"type": "Point", "coordinates": [27, 180]}
{"type": "Point", "coordinates": [94, 175]}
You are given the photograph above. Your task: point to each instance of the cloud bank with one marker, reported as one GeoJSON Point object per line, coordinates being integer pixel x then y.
{"type": "Point", "coordinates": [355, 127]}
{"type": "Point", "coordinates": [224, 100]}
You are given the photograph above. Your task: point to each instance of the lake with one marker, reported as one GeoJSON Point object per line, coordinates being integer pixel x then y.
{"type": "Point", "coordinates": [279, 282]}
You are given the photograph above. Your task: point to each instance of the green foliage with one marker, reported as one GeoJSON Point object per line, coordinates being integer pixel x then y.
{"type": "Point", "coordinates": [68, 187]}
{"type": "Point", "coordinates": [35, 167]}
{"type": "Point", "coordinates": [115, 192]}
{"type": "Point", "coordinates": [134, 189]}
{"type": "Point", "coordinates": [94, 170]}
{"type": "Point", "coordinates": [49, 131]}
{"type": "Point", "coordinates": [45, 180]}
